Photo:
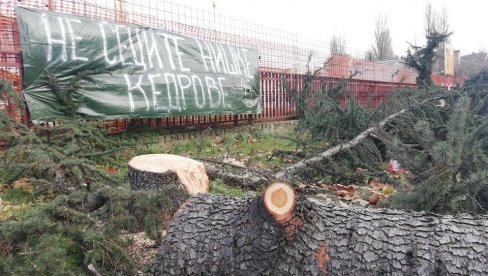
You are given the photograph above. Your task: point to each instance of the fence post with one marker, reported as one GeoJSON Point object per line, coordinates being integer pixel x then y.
{"type": "Point", "coordinates": [50, 5]}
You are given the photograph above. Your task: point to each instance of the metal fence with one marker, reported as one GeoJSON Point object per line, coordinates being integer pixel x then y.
{"type": "Point", "coordinates": [284, 56]}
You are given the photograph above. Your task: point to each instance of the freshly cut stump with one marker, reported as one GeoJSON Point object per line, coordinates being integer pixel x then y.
{"type": "Point", "coordinates": [279, 200]}
{"type": "Point", "coordinates": [154, 171]}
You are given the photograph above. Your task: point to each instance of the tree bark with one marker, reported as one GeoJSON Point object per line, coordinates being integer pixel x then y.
{"type": "Point", "coordinates": [146, 180]}
{"type": "Point", "coordinates": [244, 181]}
{"type": "Point", "coordinates": [151, 171]}
{"type": "Point", "coordinates": [218, 235]}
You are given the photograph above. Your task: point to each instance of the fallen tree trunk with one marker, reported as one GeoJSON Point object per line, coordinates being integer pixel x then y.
{"type": "Point", "coordinates": [218, 235]}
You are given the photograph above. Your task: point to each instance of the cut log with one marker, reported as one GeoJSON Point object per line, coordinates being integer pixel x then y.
{"type": "Point", "coordinates": [219, 235]}
{"type": "Point", "coordinates": [153, 171]}
{"type": "Point", "coordinates": [279, 200]}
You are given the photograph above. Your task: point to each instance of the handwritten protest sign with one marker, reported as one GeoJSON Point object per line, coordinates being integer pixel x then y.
{"type": "Point", "coordinates": [114, 70]}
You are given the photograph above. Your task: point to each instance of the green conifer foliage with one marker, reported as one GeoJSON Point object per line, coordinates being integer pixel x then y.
{"type": "Point", "coordinates": [56, 240]}
{"type": "Point", "coordinates": [447, 157]}
{"type": "Point", "coordinates": [8, 93]}
{"type": "Point", "coordinates": [63, 155]}
{"type": "Point", "coordinates": [78, 212]}
{"type": "Point", "coordinates": [325, 105]}
{"type": "Point", "coordinates": [422, 59]}
{"type": "Point", "coordinates": [441, 140]}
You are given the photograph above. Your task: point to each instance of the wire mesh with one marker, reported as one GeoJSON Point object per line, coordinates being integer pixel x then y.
{"type": "Point", "coordinates": [284, 56]}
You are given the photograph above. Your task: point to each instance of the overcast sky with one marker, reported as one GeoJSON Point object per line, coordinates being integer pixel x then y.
{"type": "Point", "coordinates": [355, 19]}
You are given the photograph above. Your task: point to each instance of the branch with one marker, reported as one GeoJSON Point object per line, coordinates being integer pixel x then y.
{"type": "Point", "coordinates": [285, 174]}
{"type": "Point", "coordinates": [352, 143]}
{"type": "Point", "coordinates": [336, 149]}
{"type": "Point", "coordinates": [232, 165]}
{"type": "Point", "coordinates": [245, 180]}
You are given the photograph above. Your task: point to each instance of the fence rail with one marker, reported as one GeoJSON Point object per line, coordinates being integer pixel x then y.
{"type": "Point", "coordinates": [284, 56]}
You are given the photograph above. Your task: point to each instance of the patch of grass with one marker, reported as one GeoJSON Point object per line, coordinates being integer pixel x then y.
{"type": "Point", "coordinates": [17, 196]}
{"type": "Point", "coordinates": [16, 200]}
{"type": "Point", "coordinates": [10, 211]}
{"type": "Point", "coordinates": [252, 145]}
{"type": "Point", "coordinates": [219, 187]}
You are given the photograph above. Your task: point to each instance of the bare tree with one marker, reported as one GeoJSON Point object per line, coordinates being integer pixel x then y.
{"type": "Point", "coordinates": [382, 49]}
{"type": "Point", "coordinates": [436, 22]}
{"type": "Point", "coordinates": [369, 55]}
{"type": "Point", "coordinates": [337, 46]}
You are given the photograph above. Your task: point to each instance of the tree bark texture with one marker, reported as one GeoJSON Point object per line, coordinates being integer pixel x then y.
{"type": "Point", "coordinates": [218, 235]}
{"type": "Point", "coordinates": [247, 180]}
{"type": "Point", "coordinates": [146, 180]}
{"type": "Point", "coordinates": [151, 171]}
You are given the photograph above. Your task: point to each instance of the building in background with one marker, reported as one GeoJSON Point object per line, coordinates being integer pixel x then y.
{"type": "Point", "coordinates": [472, 64]}
{"type": "Point", "coordinates": [445, 68]}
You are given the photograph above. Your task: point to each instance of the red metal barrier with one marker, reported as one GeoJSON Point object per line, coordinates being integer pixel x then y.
{"type": "Point", "coordinates": [278, 102]}
{"type": "Point", "coordinates": [282, 60]}
{"type": "Point", "coordinates": [10, 57]}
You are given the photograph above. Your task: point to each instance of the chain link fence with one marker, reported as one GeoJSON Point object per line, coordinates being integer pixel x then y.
{"type": "Point", "coordinates": [284, 56]}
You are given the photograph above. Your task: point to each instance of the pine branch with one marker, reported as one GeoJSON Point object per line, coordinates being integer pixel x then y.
{"type": "Point", "coordinates": [343, 146]}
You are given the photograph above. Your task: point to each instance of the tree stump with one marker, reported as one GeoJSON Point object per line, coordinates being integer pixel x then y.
{"type": "Point", "coordinates": [154, 171]}
{"type": "Point", "coordinates": [279, 200]}
{"type": "Point", "coordinates": [287, 234]}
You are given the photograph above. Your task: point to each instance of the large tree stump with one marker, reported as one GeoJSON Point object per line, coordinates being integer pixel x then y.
{"type": "Point", "coordinates": [219, 235]}
{"type": "Point", "coordinates": [154, 171]}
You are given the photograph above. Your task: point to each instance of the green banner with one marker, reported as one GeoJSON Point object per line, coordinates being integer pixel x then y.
{"type": "Point", "coordinates": [78, 66]}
